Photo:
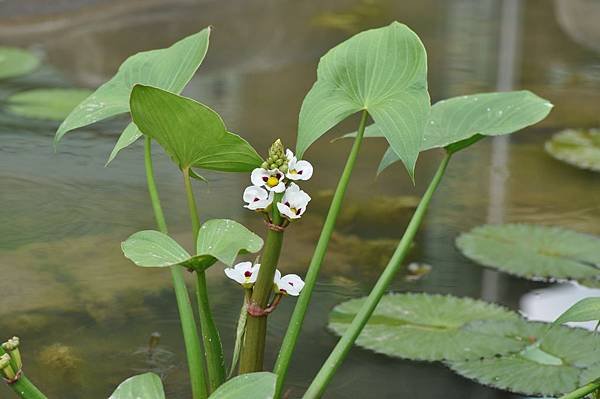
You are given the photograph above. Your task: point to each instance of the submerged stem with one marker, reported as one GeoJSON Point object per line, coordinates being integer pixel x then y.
{"type": "Point", "coordinates": [210, 335]}
{"type": "Point", "coordinates": [186, 313]}
{"type": "Point", "coordinates": [295, 325]}
{"type": "Point", "coordinates": [318, 385]}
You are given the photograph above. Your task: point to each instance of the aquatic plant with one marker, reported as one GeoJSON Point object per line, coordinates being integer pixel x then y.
{"type": "Point", "coordinates": [380, 76]}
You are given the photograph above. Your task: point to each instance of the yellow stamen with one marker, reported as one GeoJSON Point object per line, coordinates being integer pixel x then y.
{"type": "Point", "coordinates": [293, 171]}
{"type": "Point", "coordinates": [272, 181]}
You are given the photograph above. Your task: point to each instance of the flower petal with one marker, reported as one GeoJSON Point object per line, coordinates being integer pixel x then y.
{"type": "Point", "coordinates": [235, 275]}
{"type": "Point", "coordinates": [287, 211]}
{"type": "Point", "coordinates": [291, 284]}
{"type": "Point", "coordinates": [258, 176]}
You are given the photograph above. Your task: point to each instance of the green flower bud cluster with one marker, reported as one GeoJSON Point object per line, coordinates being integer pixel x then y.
{"type": "Point", "coordinates": [277, 158]}
{"type": "Point", "coordinates": [10, 362]}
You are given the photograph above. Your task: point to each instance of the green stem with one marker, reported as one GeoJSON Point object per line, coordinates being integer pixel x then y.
{"type": "Point", "coordinates": [25, 389]}
{"type": "Point", "coordinates": [318, 385]}
{"type": "Point", "coordinates": [186, 313]}
{"type": "Point", "coordinates": [295, 325]}
{"type": "Point", "coordinates": [240, 330]}
{"type": "Point", "coordinates": [210, 335]}
{"type": "Point", "coordinates": [583, 391]}
{"type": "Point", "coordinates": [253, 350]}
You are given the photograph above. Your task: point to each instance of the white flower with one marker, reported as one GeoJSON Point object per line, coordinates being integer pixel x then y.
{"type": "Point", "coordinates": [297, 170]}
{"type": "Point", "coordinates": [243, 273]}
{"type": "Point", "coordinates": [290, 284]}
{"type": "Point", "coordinates": [257, 198]}
{"type": "Point", "coordinates": [294, 202]}
{"type": "Point", "coordinates": [272, 180]}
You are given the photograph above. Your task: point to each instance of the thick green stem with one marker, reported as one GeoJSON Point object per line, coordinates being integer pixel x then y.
{"type": "Point", "coordinates": [253, 350]}
{"type": "Point", "coordinates": [583, 391]}
{"type": "Point", "coordinates": [25, 389]}
{"type": "Point", "coordinates": [210, 335]}
{"type": "Point", "coordinates": [295, 325]}
{"type": "Point", "coordinates": [186, 313]}
{"type": "Point", "coordinates": [318, 385]}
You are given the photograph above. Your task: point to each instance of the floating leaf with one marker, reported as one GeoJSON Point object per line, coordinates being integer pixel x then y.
{"type": "Point", "coordinates": [425, 327]}
{"type": "Point", "coordinates": [590, 374]}
{"type": "Point", "coordinates": [382, 71]}
{"type": "Point", "coordinates": [585, 310]}
{"type": "Point", "coordinates": [191, 133]}
{"type": "Point", "coordinates": [146, 386]}
{"type": "Point", "coordinates": [580, 148]}
{"type": "Point", "coordinates": [169, 68]}
{"type": "Point", "coordinates": [53, 104]}
{"type": "Point", "coordinates": [248, 386]}
{"type": "Point", "coordinates": [535, 252]}
{"type": "Point", "coordinates": [16, 62]}
{"type": "Point", "coordinates": [151, 248]}
{"type": "Point", "coordinates": [551, 363]}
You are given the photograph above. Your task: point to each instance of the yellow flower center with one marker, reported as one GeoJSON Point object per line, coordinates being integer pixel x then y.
{"type": "Point", "coordinates": [294, 171]}
{"type": "Point", "coordinates": [272, 181]}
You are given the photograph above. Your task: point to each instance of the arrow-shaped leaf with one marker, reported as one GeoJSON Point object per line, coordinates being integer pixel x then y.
{"type": "Point", "coordinates": [146, 386]}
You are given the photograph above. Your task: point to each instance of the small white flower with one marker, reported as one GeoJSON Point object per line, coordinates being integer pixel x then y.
{"type": "Point", "coordinates": [294, 202]}
{"type": "Point", "coordinates": [298, 170]}
{"type": "Point", "coordinates": [272, 180]}
{"type": "Point", "coordinates": [257, 198]}
{"type": "Point", "coordinates": [290, 284]}
{"type": "Point", "coordinates": [243, 273]}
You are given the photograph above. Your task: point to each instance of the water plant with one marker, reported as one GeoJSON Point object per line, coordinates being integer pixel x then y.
{"type": "Point", "coordinates": [380, 77]}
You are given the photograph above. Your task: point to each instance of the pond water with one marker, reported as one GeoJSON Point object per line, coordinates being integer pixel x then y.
{"type": "Point", "coordinates": [85, 314]}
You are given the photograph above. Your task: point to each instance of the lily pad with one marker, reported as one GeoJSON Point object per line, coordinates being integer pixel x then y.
{"type": "Point", "coordinates": [248, 386]}
{"type": "Point", "coordinates": [16, 62]}
{"type": "Point", "coordinates": [534, 252]}
{"type": "Point", "coordinates": [580, 148]}
{"type": "Point", "coordinates": [426, 327]}
{"type": "Point", "coordinates": [551, 363]}
{"type": "Point", "coordinates": [147, 386]}
{"type": "Point", "coordinates": [52, 104]}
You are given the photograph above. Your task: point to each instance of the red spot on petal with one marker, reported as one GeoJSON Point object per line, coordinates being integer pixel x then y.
{"type": "Point", "coordinates": [299, 172]}
{"type": "Point", "coordinates": [290, 283]}
{"type": "Point", "coordinates": [247, 273]}
{"type": "Point", "coordinates": [265, 178]}
{"type": "Point", "coordinates": [256, 199]}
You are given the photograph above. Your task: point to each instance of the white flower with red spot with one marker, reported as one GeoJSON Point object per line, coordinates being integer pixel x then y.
{"type": "Point", "coordinates": [290, 284]}
{"type": "Point", "coordinates": [257, 198]}
{"type": "Point", "coordinates": [294, 202]}
{"type": "Point", "coordinates": [272, 180]}
{"type": "Point", "coordinates": [297, 170]}
{"type": "Point", "coordinates": [244, 273]}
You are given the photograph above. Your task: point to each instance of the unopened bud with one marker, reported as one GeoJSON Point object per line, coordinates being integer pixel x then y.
{"type": "Point", "coordinates": [264, 165]}
{"type": "Point", "coordinates": [12, 348]}
{"type": "Point", "coordinates": [276, 151]}
{"type": "Point", "coordinates": [6, 368]}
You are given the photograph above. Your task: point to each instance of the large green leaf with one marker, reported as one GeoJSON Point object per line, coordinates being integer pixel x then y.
{"type": "Point", "coordinates": [585, 310]}
{"type": "Point", "coordinates": [550, 364]}
{"type": "Point", "coordinates": [580, 148]}
{"type": "Point", "coordinates": [590, 374]}
{"type": "Point", "coordinates": [248, 386]}
{"type": "Point", "coordinates": [16, 62]}
{"type": "Point", "coordinates": [53, 104]}
{"type": "Point", "coordinates": [169, 68]}
{"type": "Point", "coordinates": [191, 133]}
{"type": "Point", "coordinates": [456, 120]}
{"type": "Point", "coordinates": [218, 240]}
{"type": "Point", "coordinates": [426, 327]}
{"type": "Point", "coordinates": [146, 386]}
{"type": "Point", "coordinates": [383, 71]}
{"type": "Point", "coordinates": [535, 252]}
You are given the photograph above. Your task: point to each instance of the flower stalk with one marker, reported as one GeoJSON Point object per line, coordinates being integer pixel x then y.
{"type": "Point", "coordinates": [186, 313]}
{"type": "Point", "coordinates": [336, 357]}
{"type": "Point", "coordinates": [295, 325]}
{"type": "Point", "coordinates": [210, 335]}
{"type": "Point", "coordinates": [583, 391]}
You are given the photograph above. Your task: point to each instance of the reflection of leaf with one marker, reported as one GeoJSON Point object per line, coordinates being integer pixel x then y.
{"type": "Point", "coordinates": [16, 62]}
{"type": "Point", "coordinates": [580, 148]}
{"type": "Point", "coordinates": [382, 71]}
{"type": "Point", "coordinates": [548, 366]}
{"type": "Point", "coordinates": [425, 327]}
{"type": "Point", "coordinates": [169, 68]}
{"type": "Point", "coordinates": [146, 386]}
{"type": "Point", "coordinates": [533, 251]}
{"type": "Point", "coordinates": [54, 104]}
{"type": "Point", "coordinates": [191, 133]}
{"type": "Point", "coordinates": [585, 310]}
{"type": "Point", "coordinates": [248, 386]}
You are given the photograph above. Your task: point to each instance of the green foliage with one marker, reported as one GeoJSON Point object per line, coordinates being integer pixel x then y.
{"type": "Point", "coordinates": [146, 386]}
{"type": "Point", "coordinates": [551, 362]}
{"type": "Point", "coordinates": [191, 133]}
{"type": "Point", "coordinates": [425, 327]}
{"type": "Point", "coordinates": [219, 239]}
{"type": "Point", "coordinates": [248, 386]}
{"type": "Point", "coordinates": [535, 252]}
{"type": "Point", "coordinates": [169, 68]}
{"type": "Point", "coordinates": [590, 374]}
{"type": "Point", "coordinates": [580, 148]}
{"type": "Point", "coordinates": [383, 71]}
{"type": "Point", "coordinates": [585, 310]}
{"type": "Point", "coordinates": [16, 62]}
{"type": "Point", "coordinates": [53, 104]}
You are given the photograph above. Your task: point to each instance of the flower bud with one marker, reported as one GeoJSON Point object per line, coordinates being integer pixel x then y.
{"type": "Point", "coordinates": [6, 368]}
{"type": "Point", "coordinates": [276, 151]}
{"type": "Point", "coordinates": [265, 165]}
{"type": "Point", "coordinates": [12, 349]}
